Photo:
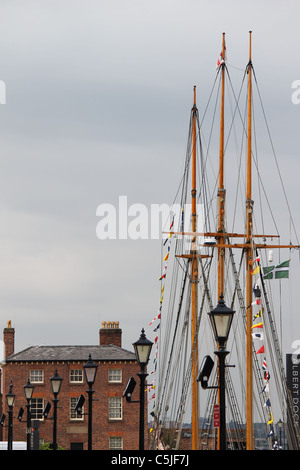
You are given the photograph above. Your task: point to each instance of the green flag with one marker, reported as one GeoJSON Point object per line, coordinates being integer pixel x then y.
{"type": "Point", "coordinates": [280, 271]}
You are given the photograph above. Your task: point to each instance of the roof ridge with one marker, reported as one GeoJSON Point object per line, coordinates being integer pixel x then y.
{"type": "Point", "coordinates": [72, 352]}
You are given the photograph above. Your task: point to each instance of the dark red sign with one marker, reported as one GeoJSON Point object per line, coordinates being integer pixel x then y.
{"type": "Point", "coordinates": [216, 416]}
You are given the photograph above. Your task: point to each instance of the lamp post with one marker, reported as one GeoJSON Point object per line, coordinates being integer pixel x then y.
{"type": "Point", "coordinates": [90, 370]}
{"type": "Point", "coordinates": [221, 320]}
{"type": "Point", "coordinates": [142, 349]}
{"type": "Point", "coordinates": [279, 424]}
{"type": "Point", "coordinates": [10, 399]}
{"type": "Point", "coordinates": [28, 390]}
{"type": "Point", "coordinates": [56, 382]}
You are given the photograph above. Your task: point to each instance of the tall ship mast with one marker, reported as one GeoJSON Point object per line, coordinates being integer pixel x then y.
{"type": "Point", "coordinates": [199, 266]}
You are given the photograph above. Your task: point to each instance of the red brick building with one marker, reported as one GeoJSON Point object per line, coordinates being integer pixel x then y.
{"type": "Point", "coordinates": [115, 421]}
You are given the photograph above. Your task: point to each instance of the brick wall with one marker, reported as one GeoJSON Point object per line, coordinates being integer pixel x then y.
{"type": "Point", "coordinates": [75, 431]}
{"type": "Point", "coordinates": [110, 333]}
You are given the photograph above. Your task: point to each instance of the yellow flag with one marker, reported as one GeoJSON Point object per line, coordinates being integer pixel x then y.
{"type": "Point", "coordinates": [271, 419]}
{"type": "Point", "coordinates": [255, 271]}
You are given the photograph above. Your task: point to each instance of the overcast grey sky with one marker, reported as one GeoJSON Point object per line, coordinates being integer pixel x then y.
{"type": "Point", "coordinates": [98, 97]}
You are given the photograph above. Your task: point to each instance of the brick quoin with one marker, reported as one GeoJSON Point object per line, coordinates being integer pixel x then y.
{"type": "Point", "coordinates": [16, 369]}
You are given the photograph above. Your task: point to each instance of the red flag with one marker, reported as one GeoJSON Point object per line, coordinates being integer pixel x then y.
{"type": "Point", "coordinates": [220, 60]}
{"type": "Point", "coordinates": [261, 350]}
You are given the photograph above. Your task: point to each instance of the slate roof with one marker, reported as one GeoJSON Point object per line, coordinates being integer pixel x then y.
{"type": "Point", "coordinates": [72, 353]}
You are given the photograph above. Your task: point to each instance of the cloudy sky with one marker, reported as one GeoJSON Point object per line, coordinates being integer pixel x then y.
{"type": "Point", "coordinates": [98, 97]}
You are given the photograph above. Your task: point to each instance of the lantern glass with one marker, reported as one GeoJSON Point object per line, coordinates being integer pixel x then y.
{"type": "Point", "coordinates": [90, 370]}
{"type": "Point", "coordinates": [56, 382]}
{"type": "Point", "coordinates": [28, 390]}
{"type": "Point", "coordinates": [10, 397]}
{"type": "Point", "coordinates": [221, 319]}
{"type": "Point", "coordinates": [142, 349]}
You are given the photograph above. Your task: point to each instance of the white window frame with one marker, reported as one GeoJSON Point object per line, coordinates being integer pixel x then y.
{"type": "Point", "coordinates": [116, 443]}
{"type": "Point", "coordinates": [115, 408]}
{"type": "Point", "coordinates": [74, 416]}
{"type": "Point", "coordinates": [36, 376]}
{"type": "Point", "coordinates": [76, 376]}
{"type": "Point", "coordinates": [115, 375]}
{"type": "Point", "coordinates": [40, 402]}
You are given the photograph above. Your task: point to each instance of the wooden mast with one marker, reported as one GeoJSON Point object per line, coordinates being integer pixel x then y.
{"type": "Point", "coordinates": [249, 250]}
{"type": "Point", "coordinates": [194, 289]}
{"type": "Point", "coordinates": [248, 245]}
{"type": "Point", "coordinates": [221, 196]}
{"type": "Point", "coordinates": [221, 193]}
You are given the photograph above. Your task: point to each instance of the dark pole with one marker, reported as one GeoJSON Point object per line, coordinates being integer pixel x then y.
{"type": "Point", "coordinates": [28, 430]}
{"type": "Point", "coordinates": [55, 401]}
{"type": "Point", "coordinates": [90, 370]}
{"type": "Point", "coordinates": [142, 349]}
{"type": "Point", "coordinates": [90, 392]}
{"type": "Point", "coordinates": [10, 398]}
{"type": "Point", "coordinates": [142, 375]}
{"type": "Point", "coordinates": [10, 428]}
{"type": "Point", "coordinates": [221, 318]}
{"type": "Point", "coordinates": [56, 382]}
{"type": "Point", "coordinates": [28, 390]}
{"type": "Point", "coordinates": [222, 353]}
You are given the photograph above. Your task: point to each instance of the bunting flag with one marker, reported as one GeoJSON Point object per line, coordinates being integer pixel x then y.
{"type": "Point", "coordinates": [267, 376]}
{"type": "Point", "coordinates": [220, 60]}
{"type": "Point", "coordinates": [259, 336]}
{"type": "Point", "coordinates": [167, 242]}
{"type": "Point", "coordinates": [280, 271]}
{"type": "Point", "coordinates": [182, 220]}
{"type": "Point", "coordinates": [256, 334]}
{"type": "Point", "coordinates": [261, 350]}
{"type": "Point", "coordinates": [265, 388]}
{"type": "Point", "coordinates": [156, 318]}
{"type": "Point", "coordinates": [268, 403]}
{"type": "Point", "coordinates": [271, 419]}
{"type": "Point", "coordinates": [257, 315]}
{"type": "Point", "coordinates": [255, 271]}
{"type": "Point", "coordinates": [169, 236]}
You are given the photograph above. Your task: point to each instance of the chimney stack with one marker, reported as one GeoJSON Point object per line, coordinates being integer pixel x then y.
{"type": "Point", "coordinates": [110, 334]}
{"type": "Point", "coordinates": [9, 340]}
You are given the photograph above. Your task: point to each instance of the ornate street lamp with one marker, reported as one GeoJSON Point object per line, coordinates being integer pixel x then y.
{"type": "Point", "coordinates": [90, 370]}
{"type": "Point", "coordinates": [10, 399]}
{"type": "Point", "coordinates": [221, 320]}
{"type": "Point", "coordinates": [56, 382]}
{"type": "Point", "coordinates": [280, 424]}
{"type": "Point", "coordinates": [142, 348]}
{"type": "Point", "coordinates": [28, 391]}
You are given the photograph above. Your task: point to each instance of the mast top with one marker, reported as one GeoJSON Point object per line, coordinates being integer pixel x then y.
{"type": "Point", "coordinates": [250, 32]}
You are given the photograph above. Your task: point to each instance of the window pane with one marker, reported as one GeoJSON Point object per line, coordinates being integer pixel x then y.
{"type": "Point", "coordinates": [76, 375]}
{"type": "Point", "coordinates": [115, 375]}
{"type": "Point", "coordinates": [37, 406]}
{"type": "Point", "coordinates": [115, 443]}
{"type": "Point", "coordinates": [73, 413]}
{"type": "Point", "coordinates": [36, 376]}
{"type": "Point", "coordinates": [115, 408]}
